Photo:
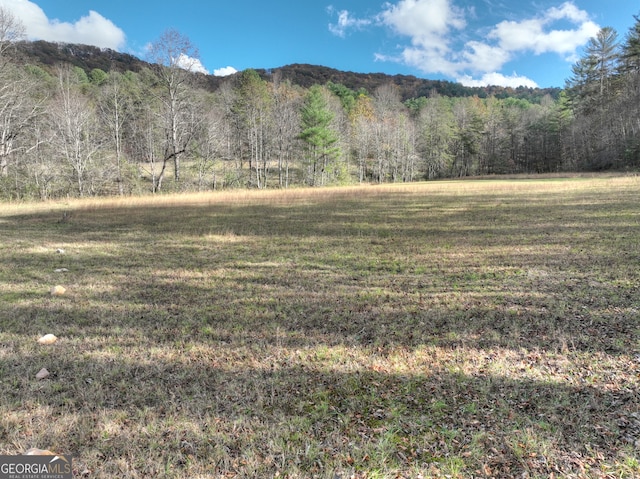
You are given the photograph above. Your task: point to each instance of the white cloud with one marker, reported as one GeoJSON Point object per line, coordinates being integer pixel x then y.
{"type": "Point", "coordinates": [191, 64]}
{"type": "Point", "coordinates": [425, 59]}
{"type": "Point", "coordinates": [428, 23]}
{"type": "Point", "coordinates": [479, 56]}
{"type": "Point", "coordinates": [495, 78]}
{"type": "Point", "coordinates": [92, 29]}
{"type": "Point", "coordinates": [569, 11]}
{"type": "Point", "coordinates": [535, 36]}
{"type": "Point", "coordinates": [224, 71]}
{"type": "Point", "coordinates": [346, 22]}
{"type": "Point", "coordinates": [423, 19]}
{"type": "Point", "coordinates": [440, 41]}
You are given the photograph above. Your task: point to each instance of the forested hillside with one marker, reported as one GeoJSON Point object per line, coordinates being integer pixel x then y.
{"type": "Point", "coordinates": [78, 121]}
{"type": "Point", "coordinates": [49, 55]}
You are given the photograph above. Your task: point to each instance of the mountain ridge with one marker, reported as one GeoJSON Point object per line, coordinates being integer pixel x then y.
{"type": "Point", "coordinates": [87, 57]}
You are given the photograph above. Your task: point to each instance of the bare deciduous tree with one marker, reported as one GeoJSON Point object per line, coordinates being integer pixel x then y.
{"type": "Point", "coordinates": [16, 107]}
{"type": "Point", "coordinates": [286, 119]}
{"type": "Point", "coordinates": [115, 111]}
{"type": "Point", "coordinates": [11, 31]}
{"type": "Point", "coordinates": [175, 58]}
{"type": "Point", "coordinates": [76, 140]}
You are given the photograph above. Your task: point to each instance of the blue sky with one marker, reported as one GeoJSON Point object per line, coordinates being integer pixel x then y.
{"type": "Point", "coordinates": [505, 42]}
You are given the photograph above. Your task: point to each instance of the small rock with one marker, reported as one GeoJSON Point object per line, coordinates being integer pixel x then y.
{"type": "Point", "coordinates": [47, 339]}
{"type": "Point", "coordinates": [34, 451]}
{"type": "Point", "coordinates": [58, 290]}
{"type": "Point", "coordinates": [60, 270]}
{"type": "Point", "coordinates": [42, 374]}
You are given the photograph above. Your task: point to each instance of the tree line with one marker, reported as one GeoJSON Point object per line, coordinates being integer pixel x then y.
{"type": "Point", "coordinates": [65, 132]}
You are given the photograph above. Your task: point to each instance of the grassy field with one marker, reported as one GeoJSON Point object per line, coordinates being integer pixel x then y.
{"type": "Point", "coordinates": [464, 329]}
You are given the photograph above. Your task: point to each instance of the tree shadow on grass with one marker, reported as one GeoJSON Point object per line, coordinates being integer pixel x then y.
{"type": "Point", "coordinates": [183, 354]}
{"type": "Point", "coordinates": [343, 310]}
{"type": "Point", "coordinates": [180, 413]}
{"type": "Point", "coordinates": [480, 301]}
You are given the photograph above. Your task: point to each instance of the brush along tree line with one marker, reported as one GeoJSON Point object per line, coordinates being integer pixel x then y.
{"type": "Point", "coordinates": [64, 132]}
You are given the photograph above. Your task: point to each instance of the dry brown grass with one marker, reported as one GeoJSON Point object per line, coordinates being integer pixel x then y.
{"type": "Point", "coordinates": [452, 329]}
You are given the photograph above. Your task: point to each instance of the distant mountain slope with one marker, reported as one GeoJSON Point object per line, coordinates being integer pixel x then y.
{"type": "Point", "coordinates": [47, 55]}
{"type": "Point", "coordinates": [409, 86]}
